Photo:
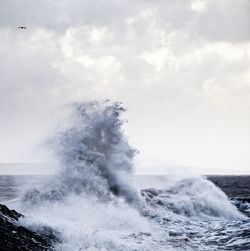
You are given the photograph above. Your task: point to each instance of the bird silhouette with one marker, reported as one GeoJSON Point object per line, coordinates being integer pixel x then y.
{"type": "Point", "coordinates": [22, 27]}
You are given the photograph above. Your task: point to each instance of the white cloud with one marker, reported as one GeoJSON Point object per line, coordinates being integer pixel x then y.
{"type": "Point", "coordinates": [198, 5]}
{"type": "Point", "coordinates": [181, 67]}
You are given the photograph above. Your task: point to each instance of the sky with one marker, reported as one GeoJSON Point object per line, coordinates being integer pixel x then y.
{"type": "Point", "coordinates": [181, 68]}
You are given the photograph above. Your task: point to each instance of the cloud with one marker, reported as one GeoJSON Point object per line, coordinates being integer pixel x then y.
{"type": "Point", "coordinates": [226, 20]}
{"type": "Point", "coordinates": [171, 62]}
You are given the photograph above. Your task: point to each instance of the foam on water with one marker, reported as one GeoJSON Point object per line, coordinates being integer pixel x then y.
{"type": "Point", "coordinates": [94, 204]}
{"type": "Point", "coordinates": [193, 197]}
{"type": "Point", "coordinates": [87, 224]}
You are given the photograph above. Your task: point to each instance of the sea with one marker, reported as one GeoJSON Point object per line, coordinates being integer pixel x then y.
{"type": "Point", "coordinates": [95, 202]}
{"type": "Point", "coordinates": [194, 213]}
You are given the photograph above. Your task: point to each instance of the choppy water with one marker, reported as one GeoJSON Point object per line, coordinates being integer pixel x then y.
{"type": "Point", "coordinates": [96, 203]}
{"type": "Point", "coordinates": [165, 226]}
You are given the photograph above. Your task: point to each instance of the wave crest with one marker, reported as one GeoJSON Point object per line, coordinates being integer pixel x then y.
{"type": "Point", "coordinates": [94, 155]}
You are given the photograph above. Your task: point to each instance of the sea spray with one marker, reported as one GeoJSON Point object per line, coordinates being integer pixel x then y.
{"type": "Point", "coordinates": [96, 161]}
{"type": "Point", "coordinates": [94, 156]}
{"type": "Point", "coordinates": [191, 197]}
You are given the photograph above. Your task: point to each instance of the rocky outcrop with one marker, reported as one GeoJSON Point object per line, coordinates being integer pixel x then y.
{"type": "Point", "coordinates": [14, 236]}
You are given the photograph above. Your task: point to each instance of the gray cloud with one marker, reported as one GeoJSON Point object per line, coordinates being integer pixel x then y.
{"type": "Point", "coordinates": [226, 20]}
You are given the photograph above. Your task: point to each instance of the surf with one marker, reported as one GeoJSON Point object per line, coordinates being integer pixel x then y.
{"type": "Point", "coordinates": [93, 200]}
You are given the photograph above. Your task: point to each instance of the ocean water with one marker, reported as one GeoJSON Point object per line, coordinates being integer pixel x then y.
{"type": "Point", "coordinates": [95, 202]}
{"type": "Point", "coordinates": [172, 222]}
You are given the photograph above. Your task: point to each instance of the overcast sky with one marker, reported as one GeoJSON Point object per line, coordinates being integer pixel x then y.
{"type": "Point", "coordinates": [181, 67]}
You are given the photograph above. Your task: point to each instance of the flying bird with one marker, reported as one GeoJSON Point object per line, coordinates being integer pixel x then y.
{"type": "Point", "coordinates": [22, 27]}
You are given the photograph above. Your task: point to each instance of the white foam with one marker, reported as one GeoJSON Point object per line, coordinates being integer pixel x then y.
{"type": "Point", "coordinates": [92, 200]}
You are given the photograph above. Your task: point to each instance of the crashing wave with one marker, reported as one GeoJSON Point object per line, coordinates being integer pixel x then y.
{"type": "Point", "coordinates": [192, 197]}
{"type": "Point", "coordinates": [96, 207]}
{"type": "Point", "coordinates": [94, 155]}
{"type": "Point", "coordinates": [96, 160]}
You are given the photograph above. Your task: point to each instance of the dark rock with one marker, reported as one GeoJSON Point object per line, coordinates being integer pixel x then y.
{"type": "Point", "coordinates": [13, 236]}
